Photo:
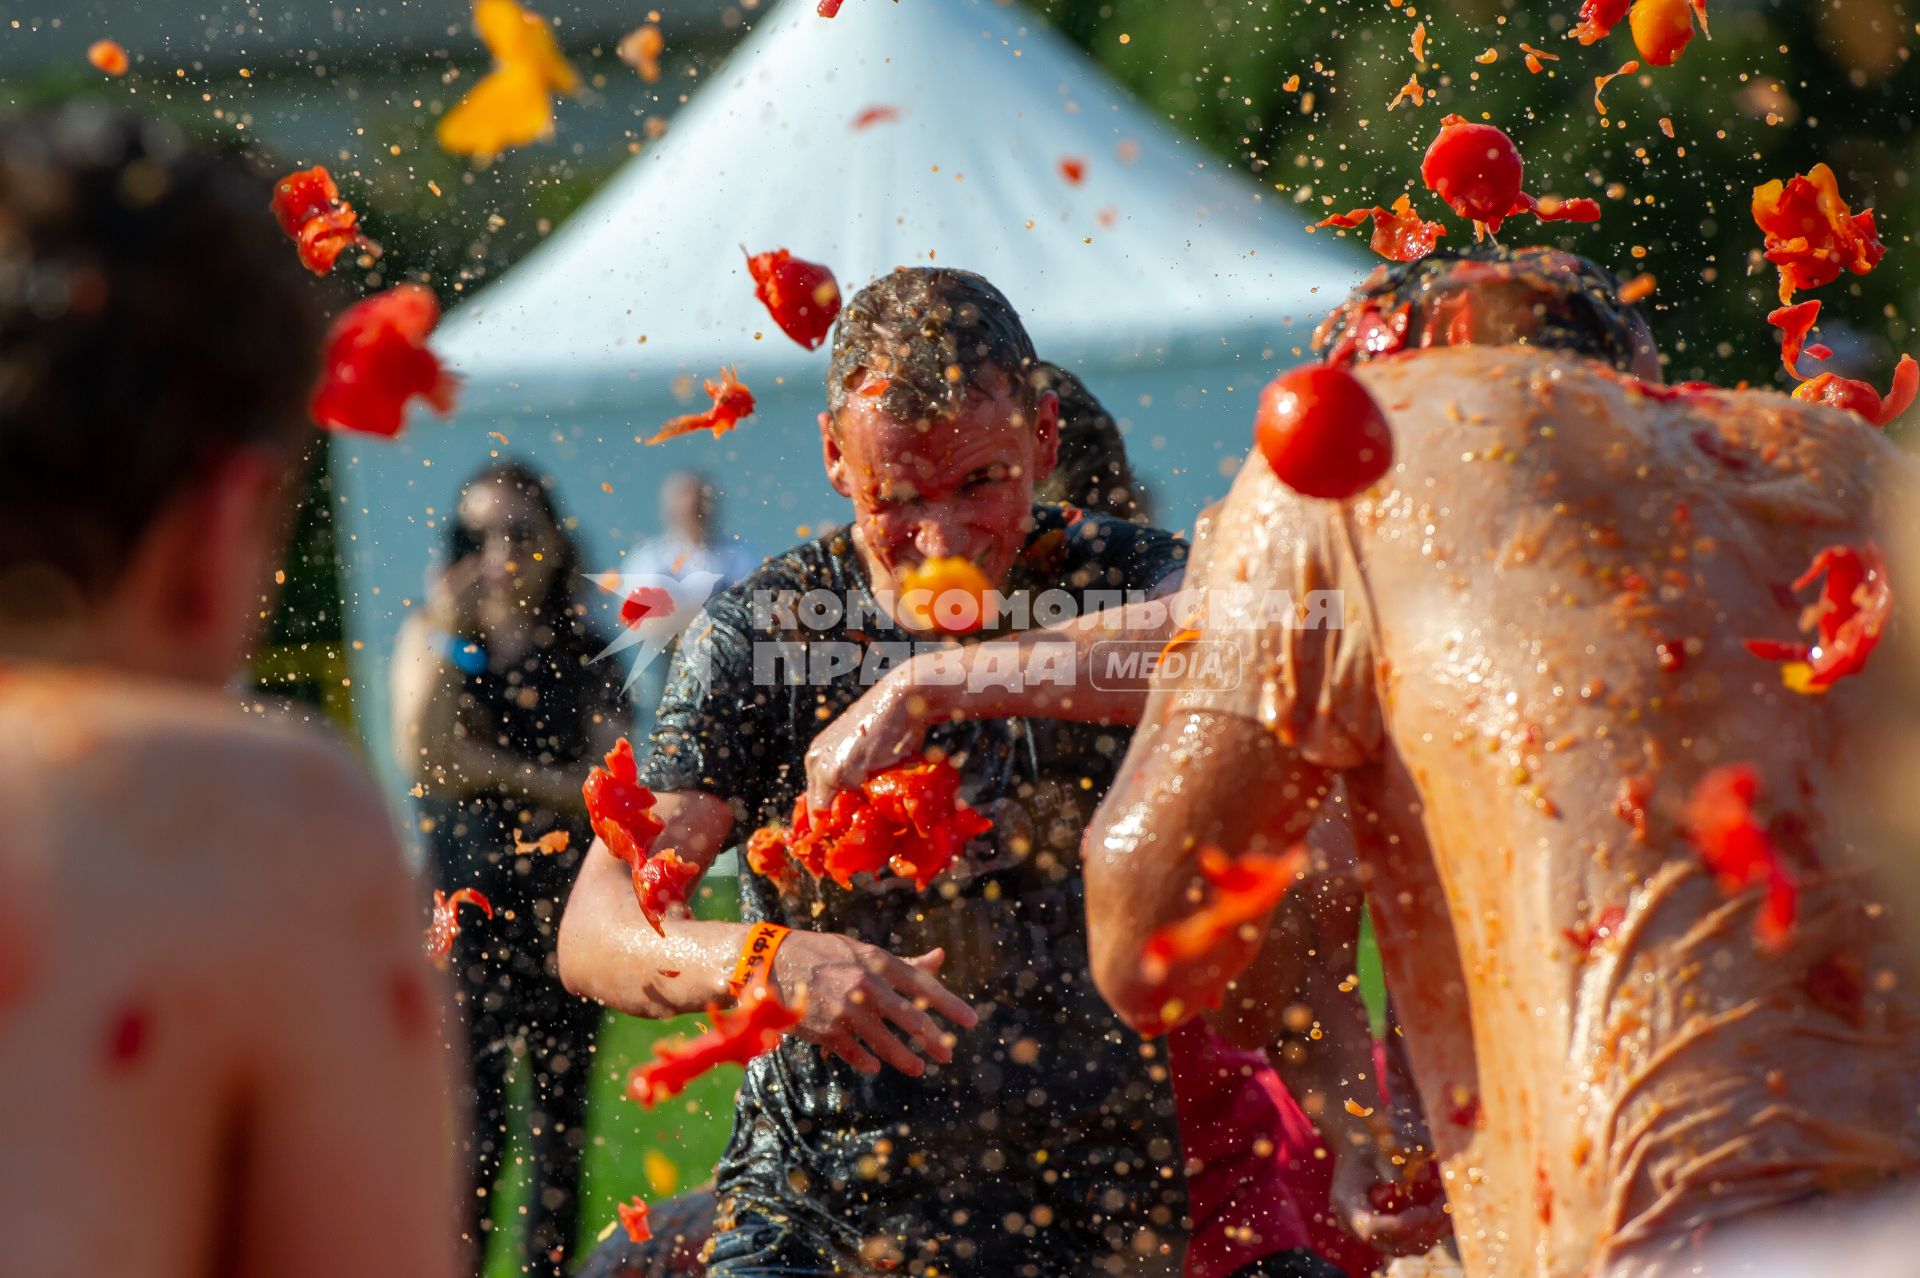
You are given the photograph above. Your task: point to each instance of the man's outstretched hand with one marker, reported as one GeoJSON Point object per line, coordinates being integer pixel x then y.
{"type": "Point", "coordinates": [862, 1002]}
{"type": "Point", "coordinates": [887, 725]}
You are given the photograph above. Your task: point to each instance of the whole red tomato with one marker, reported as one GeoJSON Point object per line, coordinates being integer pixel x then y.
{"type": "Point", "coordinates": [1322, 433]}
{"type": "Point", "coordinates": [1476, 169]}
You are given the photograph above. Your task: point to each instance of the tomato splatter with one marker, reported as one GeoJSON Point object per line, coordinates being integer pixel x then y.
{"type": "Point", "coordinates": [407, 1003]}
{"type": "Point", "coordinates": [954, 600]}
{"type": "Point", "coordinates": [511, 105]}
{"type": "Point", "coordinates": [879, 114]}
{"type": "Point", "coordinates": [802, 296]}
{"type": "Point", "coordinates": [377, 362]}
{"type": "Point", "coordinates": [1811, 234]}
{"type": "Point", "coordinates": [1600, 83]}
{"type": "Point", "coordinates": [1794, 323]}
{"type": "Point", "coordinates": [641, 50]}
{"type": "Point", "coordinates": [1739, 851]}
{"type": "Point", "coordinates": [829, 8]}
{"type": "Point", "coordinates": [1630, 804]}
{"type": "Point", "coordinates": [1590, 934]}
{"type": "Point", "coordinates": [129, 1035]}
{"type": "Point", "coordinates": [662, 882]}
{"type": "Point", "coordinates": [1073, 169]}
{"type": "Point", "coordinates": [1399, 235]}
{"type": "Point", "coordinates": [732, 402]}
{"type": "Point", "coordinates": [736, 1038]}
{"type": "Point", "coordinates": [108, 57]}
{"type": "Point", "coordinates": [767, 855]}
{"type": "Point", "coordinates": [645, 603]}
{"type": "Point", "coordinates": [445, 927]}
{"type": "Point", "coordinates": [551, 843]}
{"type": "Point", "coordinates": [1862, 399]}
{"type": "Point", "coordinates": [1537, 58]}
{"type": "Point", "coordinates": [313, 215]}
{"type": "Point", "coordinates": [633, 1219]}
{"type": "Point", "coordinates": [1555, 208]}
{"type": "Point", "coordinates": [1856, 600]}
{"type": "Point", "coordinates": [1246, 890]}
{"type": "Point", "coordinates": [1662, 29]}
{"type": "Point", "coordinates": [1598, 18]}
{"type": "Point", "coordinates": [619, 808]}
{"type": "Point", "coordinates": [909, 818]}
{"type": "Point", "coordinates": [1322, 433]}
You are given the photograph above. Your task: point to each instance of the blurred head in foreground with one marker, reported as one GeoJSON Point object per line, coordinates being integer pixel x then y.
{"type": "Point", "coordinates": [940, 422]}
{"type": "Point", "coordinates": [1492, 295]}
{"type": "Point", "coordinates": [157, 348]}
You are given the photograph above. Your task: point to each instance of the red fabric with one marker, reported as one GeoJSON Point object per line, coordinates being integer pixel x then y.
{"type": "Point", "coordinates": [1227, 1101]}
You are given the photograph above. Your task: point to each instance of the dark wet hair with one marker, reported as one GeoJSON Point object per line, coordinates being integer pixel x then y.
{"type": "Point", "coordinates": [1093, 471]}
{"type": "Point", "coordinates": [932, 334]}
{"type": "Point", "coordinates": [153, 318]}
{"type": "Point", "coordinates": [1577, 300]}
{"type": "Point", "coordinates": [561, 608]}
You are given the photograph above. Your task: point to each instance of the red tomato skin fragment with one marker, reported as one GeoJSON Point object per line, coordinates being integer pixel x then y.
{"type": "Point", "coordinates": [802, 297]}
{"type": "Point", "coordinates": [377, 362]}
{"type": "Point", "coordinates": [736, 1038]}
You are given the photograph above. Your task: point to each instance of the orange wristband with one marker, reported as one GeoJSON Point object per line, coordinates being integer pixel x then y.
{"type": "Point", "coordinates": [756, 956]}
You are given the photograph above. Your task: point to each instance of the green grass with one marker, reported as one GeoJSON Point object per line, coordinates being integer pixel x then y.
{"type": "Point", "coordinates": [690, 1132]}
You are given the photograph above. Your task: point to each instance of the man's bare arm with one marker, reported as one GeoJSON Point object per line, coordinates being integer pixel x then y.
{"type": "Point", "coordinates": [1199, 779]}
{"type": "Point", "coordinates": [609, 952]}
{"type": "Point", "coordinates": [341, 1102]}
{"type": "Point", "coordinates": [860, 1002]}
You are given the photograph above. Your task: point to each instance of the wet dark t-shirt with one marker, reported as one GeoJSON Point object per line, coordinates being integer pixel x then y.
{"type": "Point", "coordinates": [1051, 1102]}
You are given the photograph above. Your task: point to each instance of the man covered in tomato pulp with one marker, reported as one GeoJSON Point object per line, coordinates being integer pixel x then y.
{"type": "Point", "coordinates": [220, 1039]}
{"type": "Point", "coordinates": [1649, 980]}
{"type": "Point", "coordinates": [956, 1093]}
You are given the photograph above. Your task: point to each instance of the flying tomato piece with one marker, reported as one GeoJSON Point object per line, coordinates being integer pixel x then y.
{"type": "Point", "coordinates": [1738, 849]}
{"type": "Point", "coordinates": [1662, 29]}
{"type": "Point", "coordinates": [661, 882]}
{"type": "Point", "coordinates": [445, 927]}
{"type": "Point", "coordinates": [645, 603]}
{"type": "Point", "coordinates": [1073, 169]}
{"type": "Point", "coordinates": [551, 843]}
{"type": "Point", "coordinates": [1600, 83]}
{"type": "Point", "coordinates": [956, 596]}
{"type": "Point", "coordinates": [767, 855]}
{"type": "Point", "coordinates": [1811, 234]}
{"type": "Point", "coordinates": [108, 58]}
{"type": "Point", "coordinates": [1476, 169]}
{"type": "Point", "coordinates": [732, 403]}
{"type": "Point", "coordinates": [1856, 601]}
{"type": "Point", "coordinates": [829, 8]}
{"type": "Point", "coordinates": [736, 1038]}
{"type": "Point", "coordinates": [513, 104]}
{"type": "Point", "coordinates": [1246, 890]}
{"type": "Point", "coordinates": [878, 114]}
{"type": "Point", "coordinates": [1399, 235]}
{"type": "Point", "coordinates": [1861, 399]}
{"type": "Point", "coordinates": [802, 296]}
{"type": "Point", "coordinates": [1322, 433]}
{"type": "Point", "coordinates": [377, 362]}
{"type": "Point", "coordinates": [633, 1219]}
{"type": "Point", "coordinates": [641, 50]}
{"type": "Point", "coordinates": [1555, 208]}
{"type": "Point", "coordinates": [1794, 323]}
{"type": "Point", "coordinates": [619, 808]}
{"type": "Point", "coordinates": [1598, 18]}
{"type": "Point", "coordinates": [320, 223]}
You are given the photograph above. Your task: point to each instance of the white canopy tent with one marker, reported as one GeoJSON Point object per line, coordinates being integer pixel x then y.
{"type": "Point", "coordinates": [1174, 287]}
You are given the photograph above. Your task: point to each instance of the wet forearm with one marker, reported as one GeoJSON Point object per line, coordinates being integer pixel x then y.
{"type": "Point", "coordinates": [1093, 669]}
{"type": "Point", "coordinates": [610, 953]}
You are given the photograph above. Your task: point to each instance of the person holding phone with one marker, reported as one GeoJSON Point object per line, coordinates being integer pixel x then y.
{"type": "Point", "coordinates": [500, 706]}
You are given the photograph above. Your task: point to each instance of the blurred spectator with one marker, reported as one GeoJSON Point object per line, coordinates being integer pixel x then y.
{"type": "Point", "coordinates": [500, 709]}
{"type": "Point", "coordinates": [690, 540]}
